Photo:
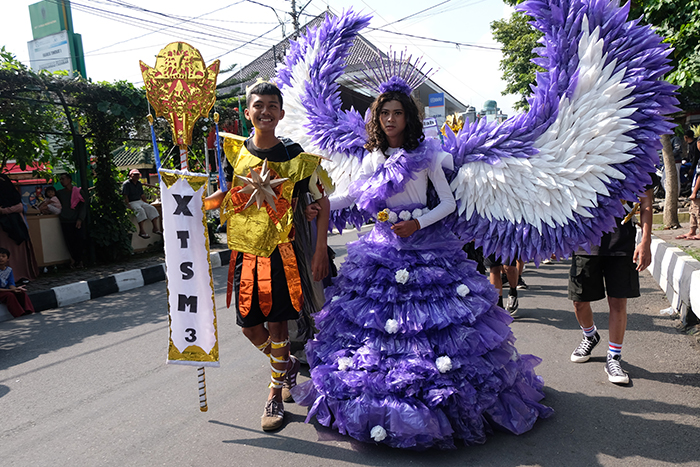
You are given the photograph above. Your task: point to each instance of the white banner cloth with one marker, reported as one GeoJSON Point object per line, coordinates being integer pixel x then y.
{"type": "Point", "coordinates": [191, 308]}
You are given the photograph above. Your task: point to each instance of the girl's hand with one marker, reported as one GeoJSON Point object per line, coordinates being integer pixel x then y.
{"type": "Point", "coordinates": [406, 228]}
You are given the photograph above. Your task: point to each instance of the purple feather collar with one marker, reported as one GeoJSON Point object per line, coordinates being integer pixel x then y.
{"type": "Point", "coordinates": [390, 178]}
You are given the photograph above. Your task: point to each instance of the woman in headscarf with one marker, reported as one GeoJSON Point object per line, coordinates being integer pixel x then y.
{"type": "Point", "coordinates": [14, 234]}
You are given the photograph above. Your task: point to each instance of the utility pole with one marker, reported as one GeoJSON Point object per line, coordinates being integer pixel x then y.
{"type": "Point", "coordinates": [295, 18]}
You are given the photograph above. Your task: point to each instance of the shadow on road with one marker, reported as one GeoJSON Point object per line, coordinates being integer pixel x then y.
{"type": "Point", "coordinates": [584, 431]}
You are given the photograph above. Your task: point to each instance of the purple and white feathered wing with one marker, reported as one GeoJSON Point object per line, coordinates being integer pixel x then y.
{"type": "Point", "coordinates": [313, 115]}
{"type": "Point", "coordinates": [551, 180]}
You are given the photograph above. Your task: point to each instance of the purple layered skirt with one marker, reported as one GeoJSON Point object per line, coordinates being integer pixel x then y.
{"type": "Point", "coordinates": [422, 363]}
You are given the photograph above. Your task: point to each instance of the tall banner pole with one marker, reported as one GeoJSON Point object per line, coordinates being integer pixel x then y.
{"type": "Point", "coordinates": [182, 89]}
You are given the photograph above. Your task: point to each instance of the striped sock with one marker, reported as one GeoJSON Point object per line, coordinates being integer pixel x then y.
{"type": "Point", "coordinates": [589, 332]}
{"type": "Point", "coordinates": [614, 349]}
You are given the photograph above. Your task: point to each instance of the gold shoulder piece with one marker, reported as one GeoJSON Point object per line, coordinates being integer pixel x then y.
{"type": "Point", "coordinates": [232, 146]}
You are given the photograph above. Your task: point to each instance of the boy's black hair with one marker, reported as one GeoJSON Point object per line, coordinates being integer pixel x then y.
{"type": "Point", "coordinates": [690, 134]}
{"type": "Point", "coordinates": [67, 175]}
{"type": "Point", "coordinates": [5, 251]}
{"type": "Point", "coordinates": [265, 88]}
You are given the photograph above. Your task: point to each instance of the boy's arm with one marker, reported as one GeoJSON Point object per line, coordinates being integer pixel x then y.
{"type": "Point", "coordinates": [214, 200]}
{"type": "Point", "coordinates": [642, 254]}
{"type": "Point", "coordinates": [319, 262]}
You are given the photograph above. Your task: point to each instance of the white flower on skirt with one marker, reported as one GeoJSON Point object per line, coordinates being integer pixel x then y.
{"type": "Point", "coordinates": [462, 290]}
{"type": "Point", "coordinates": [344, 363]}
{"type": "Point", "coordinates": [402, 276]}
{"type": "Point", "coordinates": [404, 215]}
{"type": "Point", "coordinates": [391, 326]}
{"type": "Point", "coordinates": [335, 298]}
{"type": "Point", "coordinates": [417, 213]}
{"type": "Point", "coordinates": [444, 364]}
{"type": "Point", "coordinates": [393, 218]}
{"type": "Point", "coordinates": [378, 433]}
{"type": "Point", "coordinates": [426, 211]}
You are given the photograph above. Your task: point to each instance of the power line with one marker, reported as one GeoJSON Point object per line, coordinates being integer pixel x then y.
{"type": "Point", "coordinates": [418, 13]}
{"type": "Point", "coordinates": [443, 41]}
{"type": "Point", "coordinates": [198, 34]}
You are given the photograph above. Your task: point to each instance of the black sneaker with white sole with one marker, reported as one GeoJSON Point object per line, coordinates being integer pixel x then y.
{"type": "Point", "coordinates": [614, 370]}
{"type": "Point", "coordinates": [512, 304]}
{"type": "Point", "coordinates": [584, 349]}
{"type": "Point", "coordinates": [521, 284]}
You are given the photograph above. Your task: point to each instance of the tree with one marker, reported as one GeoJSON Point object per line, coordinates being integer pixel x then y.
{"type": "Point", "coordinates": [92, 116]}
{"type": "Point", "coordinates": [518, 41]}
{"type": "Point", "coordinates": [679, 23]}
{"type": "Point", "coordinates": [27, 117]}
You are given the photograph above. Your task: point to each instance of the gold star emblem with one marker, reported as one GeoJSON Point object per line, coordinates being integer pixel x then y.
{"type": "Point", "coordinates": [260, 187]}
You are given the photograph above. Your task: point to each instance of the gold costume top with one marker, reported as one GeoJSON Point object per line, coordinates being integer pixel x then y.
{"type": "Point", "coordinates": [255, 230]}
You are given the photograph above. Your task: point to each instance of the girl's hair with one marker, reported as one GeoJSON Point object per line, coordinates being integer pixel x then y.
{"type": "Point", "coordinates": [49, 188]}
{"type": "Point", "coordinates": [413, 133]}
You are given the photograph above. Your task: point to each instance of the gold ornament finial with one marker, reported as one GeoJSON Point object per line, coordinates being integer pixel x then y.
{"type": "Point", "coordinates": [216, 117]}
{"type": "Point", "coordinates": [181, 88]}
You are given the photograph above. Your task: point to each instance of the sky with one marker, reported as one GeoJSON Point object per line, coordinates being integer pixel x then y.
{"type": "Point", "coordinates": [117, 34]}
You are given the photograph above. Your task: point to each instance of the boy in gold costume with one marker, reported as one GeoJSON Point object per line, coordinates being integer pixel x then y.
{"type": "Point", "coordinates": [266, 176]}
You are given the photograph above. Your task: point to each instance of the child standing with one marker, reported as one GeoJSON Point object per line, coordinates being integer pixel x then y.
{"type": "Point", "coordinates": [15, 298]}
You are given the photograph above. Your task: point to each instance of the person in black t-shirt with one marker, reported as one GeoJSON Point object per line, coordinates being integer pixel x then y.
{"type": "Point", "coordinates": [611, 267]}
{"type": "Point", "coordinates": [134, 198]}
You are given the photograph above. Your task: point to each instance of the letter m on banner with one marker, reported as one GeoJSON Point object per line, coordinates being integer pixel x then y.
{"type": "Point", "coordinates": [191, 308]}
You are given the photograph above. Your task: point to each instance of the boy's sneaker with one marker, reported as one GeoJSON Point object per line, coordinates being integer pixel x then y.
{"type": "Point", "coordinates": [273, 416]}
{"type": "Point", "coordinates": [512, 304]}
{"type": "Point", "coordinates": [290, 379]}
{"type": "Point", "coordinates": [614, 370]}
{"type": "Point", "coordinates": [521, 284]}
{"type": "Point", "coordinates": [584, 349]}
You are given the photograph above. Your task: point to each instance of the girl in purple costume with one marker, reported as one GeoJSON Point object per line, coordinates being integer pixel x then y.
{"type": "Point", "coordinates": [412, 350]}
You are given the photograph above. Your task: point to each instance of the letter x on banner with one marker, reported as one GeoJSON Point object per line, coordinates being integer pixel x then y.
{"type": "Point", "coordinates": [191, 308]}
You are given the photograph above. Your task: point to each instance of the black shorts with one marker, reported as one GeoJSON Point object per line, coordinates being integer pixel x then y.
{"type": "Point", "coordinates": [491, 262]}
{"type": "Point", "coordinates": [282, 308]}
{"type": "Point", "coordinates": [591, 277]}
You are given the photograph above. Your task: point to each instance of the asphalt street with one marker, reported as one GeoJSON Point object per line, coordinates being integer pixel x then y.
{"type": "Point", "coordinates": [87, 385]}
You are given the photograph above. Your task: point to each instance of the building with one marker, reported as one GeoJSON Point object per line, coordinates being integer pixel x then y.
{"type": "Point", "coordinates": [491, 112]}
{"type": "Point", "coordinates": [351, 94]}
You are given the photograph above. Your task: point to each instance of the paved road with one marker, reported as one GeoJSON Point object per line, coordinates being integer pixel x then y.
{"type": "Point", "coordinates": [87, 385]}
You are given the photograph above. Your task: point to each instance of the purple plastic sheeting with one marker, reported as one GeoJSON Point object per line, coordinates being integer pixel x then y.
{"type": "Point", "coordinates": [639, 51]}
{"type": "Point", "coordinates": [376, 358]}
{"type": "Point", "coordinates": [331, 129]}
{"type": "Point", "coordinates": [371, 194]}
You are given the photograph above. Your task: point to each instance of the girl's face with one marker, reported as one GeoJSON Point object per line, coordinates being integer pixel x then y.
{"type": "Point", "coordinates": [393, 121]}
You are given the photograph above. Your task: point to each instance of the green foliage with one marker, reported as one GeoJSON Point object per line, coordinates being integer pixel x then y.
{"type": "Point", "coordinates": [679, 23]}
{"type": "Point", "coordinates": [518, 40]}
{"type": "Point", "coordinates": [26, 118]}
{"type": "Point", "coordinates": [116, 112]}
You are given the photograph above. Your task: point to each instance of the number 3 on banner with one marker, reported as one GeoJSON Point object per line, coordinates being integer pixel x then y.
{"type": "Point", "coordinates": [193, 335]}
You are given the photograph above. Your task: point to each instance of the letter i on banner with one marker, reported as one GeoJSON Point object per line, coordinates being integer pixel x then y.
{"type": "Point", "coordinates": [191, 306]}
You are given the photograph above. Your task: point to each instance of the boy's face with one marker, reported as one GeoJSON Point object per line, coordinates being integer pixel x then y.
{"type": "Point", "coordinates": [264, 112]}
{"type": "Point", "coordinates": [4, 260]}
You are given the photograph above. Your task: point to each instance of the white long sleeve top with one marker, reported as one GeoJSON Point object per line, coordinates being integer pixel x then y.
{"type": "Point", "coordinates": [415, 190]}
